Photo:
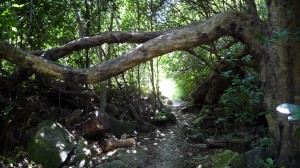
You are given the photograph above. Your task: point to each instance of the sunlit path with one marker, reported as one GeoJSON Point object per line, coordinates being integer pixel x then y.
{"type": "Point", "coordinates": [168, 148]}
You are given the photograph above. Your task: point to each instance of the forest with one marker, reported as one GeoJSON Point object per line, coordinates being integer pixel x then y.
{"type": "Point", "coordinates": [150, 83]}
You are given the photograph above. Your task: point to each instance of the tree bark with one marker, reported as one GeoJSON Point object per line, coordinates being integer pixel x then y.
{"type": "Point", "coordinates": [236, 24]}
{"type": "Point", "coordinates": [114, 143]}
{"type": "Point", "coordinates": [280, 74]}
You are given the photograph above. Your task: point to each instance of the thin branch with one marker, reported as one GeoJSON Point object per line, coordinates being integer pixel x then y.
{"type": "Point", "coordinates": [199, 57]}
{"type": "Point", "coordinates": [78, 19]}
{"type": "Point", "coordinates": [30, 22]}
{"type": "Point", "coordinates": [97, 40]}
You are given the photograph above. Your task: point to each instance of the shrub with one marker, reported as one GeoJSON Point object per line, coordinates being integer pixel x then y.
{"type": "Point", "coordinates": [241, 100]}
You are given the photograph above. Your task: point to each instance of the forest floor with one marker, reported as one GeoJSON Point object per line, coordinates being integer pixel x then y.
{"type": "Point", "coordinates": [169, 148]}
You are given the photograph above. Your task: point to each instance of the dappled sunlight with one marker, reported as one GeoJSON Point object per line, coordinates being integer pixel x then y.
{"type": "Point", "coordinates": [82, 163]}
{"type": "Point", "coordinates": [63, 155]}
{"type": "Point", "coordinates": [86, 151]}
{"type": "Point", "coordinates": [42, 134]}
{"type": "Point", "coordinates": [60, 145]}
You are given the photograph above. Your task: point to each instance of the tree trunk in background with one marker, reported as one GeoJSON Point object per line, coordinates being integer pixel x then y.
{"type": "Point", "coordinates": [153, 86]}
{"type": "Point", "coordinates": [138, 29]}
{"type": "Point", "coordinates": [151, 63]}
{"type": "Point", "coordinates": [88, 26]}
{"type": "Point", "coordinates": [280, 74]}
{"type": "Point", "coordinates": [80, 29]}
{"type": "Point", "coordinates": [157, 76]}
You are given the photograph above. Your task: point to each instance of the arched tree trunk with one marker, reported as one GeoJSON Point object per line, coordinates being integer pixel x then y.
{"type": "Point", "coordinates": [276, 43]}
{"type": "Point", "coordinates": [280, 73]}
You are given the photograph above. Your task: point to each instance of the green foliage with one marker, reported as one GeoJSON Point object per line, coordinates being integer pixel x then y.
{"type": "Point", "coordinates": [186, 71]}
{"type": "Point", "coordinates": [262, 9]}
{"type": "Point", "coordinates": [8, 67]}
{"type": "Point", "coordinates": [165, 116]}
{"type": "Point", "coordinates": [19, 158]}
{"type": "Point", "coordinates": [241, 100]}
{"type": "Point", "coordinates": [8, 14]}
{"type": "Point", "coordinates": [263, 142]}
{"type": "Point", "coordinates": [224, 159]}
{"type": "Point", "coordinates": [26, 24]}
{"type": "Point", "coordinates": [267, 163]}
{"type": "Point", "coordinates": [160, 116]}
{"type": "Point", "coordinates": [7, 160]}
{"type": "Point", "coordinates": [198, 121]}
{"type": "Point", "coordinates": [6, 111]}
{"type": "Point", "coordinates": [297, 132]}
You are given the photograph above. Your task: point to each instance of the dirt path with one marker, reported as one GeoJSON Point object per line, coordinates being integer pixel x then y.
{"type": "Point", "coordinates": [168, 147]}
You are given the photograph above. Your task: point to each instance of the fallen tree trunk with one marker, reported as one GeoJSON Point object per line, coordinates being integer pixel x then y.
{"type": "Point", "coordinates": [114, 143]}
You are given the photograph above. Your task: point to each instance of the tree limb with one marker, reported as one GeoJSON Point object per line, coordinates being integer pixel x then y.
{"type": "Point", "coordinates": [97, 40]}
{"type": "Point", "coordinates": [238, 25]}
{"type": "Point", "coordinates": [21, 74]}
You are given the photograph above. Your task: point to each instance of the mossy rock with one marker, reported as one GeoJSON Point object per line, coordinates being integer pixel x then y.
{"type": "Point", "coordinates": [132, 156]}
{"type": "Point", "coordinates": [119, 128]}
{"type": "Point", "coordinates": [224, 159]}
{"type": "Point", "coordinates": [112, 164]}
{"type": "Point", "coordinates": [50, 145]}
{"type": "Point", "coordinates": [169, 102]}
{"type": "Point", "coordinates": [196, 136]}
{"type": "Point", "coordinates": [82, 154]}
{"type": "Point", "coordinates": [199, 121]}
{"type": "Point", "coordinates": [165, 117]}
{"type": "Point", "coordinates": [251, 158]}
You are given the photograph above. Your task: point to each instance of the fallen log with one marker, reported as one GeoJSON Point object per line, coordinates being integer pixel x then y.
{"type": "Point", "coordinates": [114, 143]}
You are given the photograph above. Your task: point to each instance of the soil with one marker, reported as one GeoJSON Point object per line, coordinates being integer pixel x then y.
{"type": "Point", "coordinates": [170, 149]}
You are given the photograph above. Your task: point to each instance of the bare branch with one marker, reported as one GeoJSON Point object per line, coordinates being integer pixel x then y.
{"type": "Point", "coordinates": [97, 40]}
{"type": "Point", "coordinates": [199, 57]}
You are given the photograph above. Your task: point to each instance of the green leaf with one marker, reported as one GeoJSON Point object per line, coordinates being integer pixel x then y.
{"type": "Point", "coordinates": [14, 29]}
{"type": "Point", "coordinates": [297, 132]}
{"type": "Point", "coordinates": [269, 161]}
{"type": "Point", "coordinates": [261, 38]}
